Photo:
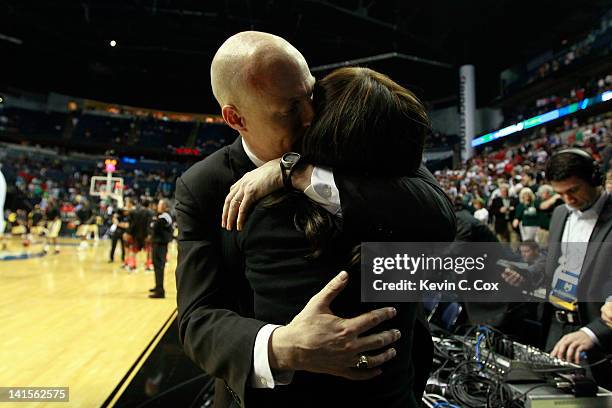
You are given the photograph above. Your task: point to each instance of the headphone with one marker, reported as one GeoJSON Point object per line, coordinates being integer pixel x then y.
{"type": "Point", "coordinates": [597, 177]}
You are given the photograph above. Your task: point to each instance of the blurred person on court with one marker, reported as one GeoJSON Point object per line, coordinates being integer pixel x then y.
{"type": "Point", "coordinates": [161, 235]}
{"type": "Point", "coordinates": [54, 225]}
{"type": "Point", "coordinates": [2, 200]}
{"type": "Point", "coordinates": [135, 237]}
{"type": "Point", "coordinates": [120, 223]}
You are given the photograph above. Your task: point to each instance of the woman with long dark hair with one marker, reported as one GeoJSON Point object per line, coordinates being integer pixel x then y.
{"type": "Point", "coordinates": [365, 125]}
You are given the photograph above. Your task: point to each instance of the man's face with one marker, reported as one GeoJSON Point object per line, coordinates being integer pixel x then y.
{"type": "Point", "coordinates": [575, 192]}
{"type": "Point", "coordinates": [528, 253]}
{"type": "Point", "coordinates": [278, 109]}
{"type": "Point", "coordinates": [503, 192]}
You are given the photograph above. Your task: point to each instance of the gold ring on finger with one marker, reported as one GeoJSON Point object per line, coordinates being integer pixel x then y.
{"type": "Point", "coordinates": [362, 363]}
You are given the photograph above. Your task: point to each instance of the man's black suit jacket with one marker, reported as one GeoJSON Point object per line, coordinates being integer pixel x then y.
{"type": "Point", "coordinates": [501, 224]}
{"type": "Point", "coordinates": [595, 280]}
{"type": "Point", "coordinates": [215, 302]}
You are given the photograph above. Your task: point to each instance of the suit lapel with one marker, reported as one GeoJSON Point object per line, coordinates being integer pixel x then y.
{"type": "Point", "coordinates": [557, 225]}
{"type": "Point", "coordinates": [238, 159]}
{"type": "Point", "coordinates": [602, 228]}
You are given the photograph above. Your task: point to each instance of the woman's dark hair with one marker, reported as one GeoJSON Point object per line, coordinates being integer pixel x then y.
{"type": "Point", "coordinates": [365, 122]}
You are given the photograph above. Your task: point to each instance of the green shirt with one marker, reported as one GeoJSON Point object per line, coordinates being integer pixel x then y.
{"type": "Point", "coordinates": [528, 215]}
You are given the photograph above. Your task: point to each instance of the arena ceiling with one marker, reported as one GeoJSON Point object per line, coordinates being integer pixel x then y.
{"type": "Point", "coordinates": [164, 47]}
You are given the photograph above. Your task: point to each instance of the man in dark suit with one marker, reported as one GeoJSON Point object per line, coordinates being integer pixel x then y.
{"type": "Point", "coordinates": [578, 264]}
{"type": "Point", "coordinates": [120, 224]}
{"type": "Point", "coordinates": [264, 88]}
{"type": "Point", "coordinates": [161, 236]}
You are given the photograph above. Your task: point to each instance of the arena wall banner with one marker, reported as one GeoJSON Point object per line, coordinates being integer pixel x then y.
{"type": "Point", "coordinates": [478, 272]}
{"type": "Point", "coordinates": [543, 118]}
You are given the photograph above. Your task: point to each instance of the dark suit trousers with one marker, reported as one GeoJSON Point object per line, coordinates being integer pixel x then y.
{"type": "Point", "coordinates": [117, 237]}
{"type": "Point", "coordinates": [159, 262]}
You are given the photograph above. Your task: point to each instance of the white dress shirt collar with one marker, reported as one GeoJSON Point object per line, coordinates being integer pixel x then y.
{"type": "Point", "coordinates": [256, 160]}
{"type": "Point", "coordinates": [593, 211]}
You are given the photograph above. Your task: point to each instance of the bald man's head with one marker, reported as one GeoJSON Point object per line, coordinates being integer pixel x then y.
{"type": "Point", "coordinates": [264, 87]}
{"type": "Point", "coordinates": [243, 58]}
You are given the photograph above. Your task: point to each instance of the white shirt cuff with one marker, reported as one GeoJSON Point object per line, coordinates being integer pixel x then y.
{"type": "Point", "coordinates": [323, 191]}
{"type": "Point", "coordinates": [262, 374]}
{"type": "Point", "coordinates": [590, 333]}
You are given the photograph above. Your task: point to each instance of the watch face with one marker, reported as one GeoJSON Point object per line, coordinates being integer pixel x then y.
{"type": "Point", "coordinates": [291, 157]}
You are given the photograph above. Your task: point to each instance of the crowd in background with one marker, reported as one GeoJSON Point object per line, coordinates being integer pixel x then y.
{"type": "Point", "coordinates": [593, 44]}
{"type": "Point", "coordinates": [42, 189]}
{"type": "Point", "coordinates": [505, 186]}
{"type": "Point", "coordinates": [113, 130]}
{"type": "Point", "coordinates": [551, 102]}
{"type": "Point", "coordinates": [502, 186]}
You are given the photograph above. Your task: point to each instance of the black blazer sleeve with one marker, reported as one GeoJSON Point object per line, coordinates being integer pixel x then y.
{"type": "Point", "coordinates": [400, 209]}
{"type": "Point", "coordinates": [212, 330]}
{"type": "Point", "coordinates": [404, 208]}
{"type": "Point", "coordinates": [496, 204]}
{"type": "Point", "coordinates": [602, 332]}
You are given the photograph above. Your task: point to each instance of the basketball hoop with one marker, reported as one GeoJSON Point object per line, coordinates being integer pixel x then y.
{"type": "Point", "coordinates": [107, 186]}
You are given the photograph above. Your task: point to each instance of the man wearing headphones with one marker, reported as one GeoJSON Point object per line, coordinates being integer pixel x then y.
{"type": "Point", "coordinates": [578, 263]}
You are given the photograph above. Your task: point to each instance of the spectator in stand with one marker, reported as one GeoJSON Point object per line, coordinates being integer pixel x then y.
{"type": "Point", "coordinates": [481, 213]}
{"type": "Point", "coordinates": [606, 155]}
{"type": "Point", "coordinates": [503, 208]}
{"type": "Point", "coordinates": [546, 202]}
{"type": "Point", "coordinates": [529, 180]}
{"type": "Point", "coordinates": [526, 217]}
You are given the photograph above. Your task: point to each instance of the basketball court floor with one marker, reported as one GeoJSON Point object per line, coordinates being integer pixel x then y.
{"type": "Point", "coordinates": [74, 320]}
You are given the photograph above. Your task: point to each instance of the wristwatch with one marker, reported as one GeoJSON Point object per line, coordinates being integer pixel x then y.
{"type": "Point", "coordinates": [288, 164]}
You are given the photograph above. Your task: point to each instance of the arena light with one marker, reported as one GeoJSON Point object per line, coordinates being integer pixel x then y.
{"type": "Point", "coordinates": [113, 43]}
{"type": "Point", "coordinates": [543, 118]}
